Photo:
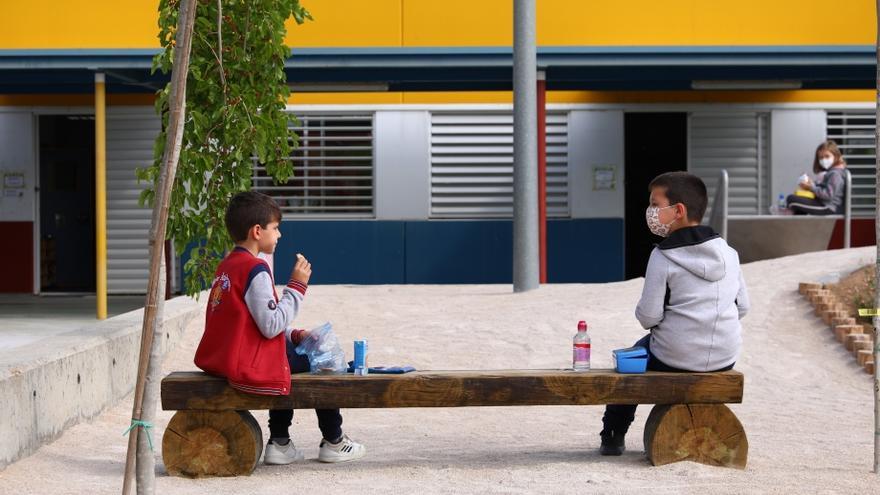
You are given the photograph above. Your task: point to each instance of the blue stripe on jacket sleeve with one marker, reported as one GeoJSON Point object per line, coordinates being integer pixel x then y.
{"type": "Point", "coordinates": [256, 270]}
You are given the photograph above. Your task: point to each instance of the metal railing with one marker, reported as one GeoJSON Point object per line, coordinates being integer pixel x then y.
{"type": "Point", "coordinates": [719, 216]}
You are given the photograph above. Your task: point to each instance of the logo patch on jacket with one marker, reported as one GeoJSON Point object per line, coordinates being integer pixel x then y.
{"type": "Point", "coordinates": [221, 284]}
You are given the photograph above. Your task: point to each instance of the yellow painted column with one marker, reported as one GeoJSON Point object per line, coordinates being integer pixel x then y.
{"type": "Point", "coordinates": [100, 197]}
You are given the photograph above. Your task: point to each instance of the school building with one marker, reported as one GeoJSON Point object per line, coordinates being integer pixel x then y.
{"type": "Point", "coordinates": [404, 170]}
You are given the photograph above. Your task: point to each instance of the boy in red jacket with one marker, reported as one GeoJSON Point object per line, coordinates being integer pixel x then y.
{"type": "Point", "coordinates": [247, 337]}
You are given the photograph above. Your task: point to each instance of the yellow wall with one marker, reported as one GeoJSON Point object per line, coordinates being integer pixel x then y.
{"type": "Point", "coordinates": [645, 22]}
{"type": "Point", "coordinates": [468, 97]}
{"type": "Point", "coordinates": [71, 24]}
{"type": "Point", "coordinates": [78, 24]}
{"type": "Point", "coordinates": [132, 23]}
{"type": "Point", "coordinates": [483, 97]}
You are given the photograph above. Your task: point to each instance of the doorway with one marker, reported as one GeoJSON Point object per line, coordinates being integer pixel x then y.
{"type": "Point", "coordinates": [654, 143]}
{"type": "Point", "coordinates": [67, 203]}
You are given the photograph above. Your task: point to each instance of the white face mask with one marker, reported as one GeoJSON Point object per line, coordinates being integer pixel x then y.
{"type": "Point", "coordinates": [652, 215]}
{"type": "Point", "coordinates": [826, 163]}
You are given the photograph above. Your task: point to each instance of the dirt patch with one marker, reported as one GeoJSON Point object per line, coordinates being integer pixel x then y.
{"type": "Point", "coordinates": [856, 290]}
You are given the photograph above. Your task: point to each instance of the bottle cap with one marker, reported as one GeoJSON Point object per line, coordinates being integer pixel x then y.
{"type": "Point", "coordinates": [582, 326]}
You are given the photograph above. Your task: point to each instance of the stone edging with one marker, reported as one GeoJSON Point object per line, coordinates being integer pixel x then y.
{"type": "Point", "coordinates": [846, 330]}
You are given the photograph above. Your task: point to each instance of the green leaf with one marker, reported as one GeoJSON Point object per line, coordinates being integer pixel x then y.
{"type": "Point", "coordinates": [229, 119]}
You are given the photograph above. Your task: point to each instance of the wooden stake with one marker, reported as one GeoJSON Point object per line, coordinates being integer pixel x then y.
{"type": "Point", "coordinates": [174, 135]}
{"type": "Point", "coordinates": [145, 461]}
{"type": "Point", "coordinates": [877, 262]}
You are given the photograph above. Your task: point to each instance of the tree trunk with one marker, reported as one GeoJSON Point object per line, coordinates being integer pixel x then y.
{"type": "Point", "coordinates": [174, 134]}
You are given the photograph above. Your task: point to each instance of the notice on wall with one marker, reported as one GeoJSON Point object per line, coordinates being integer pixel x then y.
{"type": "Point", "coordinates": [604, 178]}
{"type": "Point", "coordinates": [13, 184]}
{"type": "Point", "coordinates": [13, 180]}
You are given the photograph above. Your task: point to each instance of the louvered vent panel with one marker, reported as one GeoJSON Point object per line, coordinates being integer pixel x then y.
{"type": "Point", "coordinates": [737, 142]}
{"type": "Point", "coordinates": [332, 166]}
{"type": "Point", "coordinates": [853, 131]}
{"type": "Point", "coordinates": [472, 165]}
{"type": "Point", "coordinates": [131, 133]}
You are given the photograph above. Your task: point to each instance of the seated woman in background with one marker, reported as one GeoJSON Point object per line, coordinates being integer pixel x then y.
{"type": "Point", "coordinates": [830, 185]}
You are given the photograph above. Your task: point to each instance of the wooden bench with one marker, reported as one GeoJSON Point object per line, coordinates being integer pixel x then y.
{"type": "Point", "coordinates": [213, 434]}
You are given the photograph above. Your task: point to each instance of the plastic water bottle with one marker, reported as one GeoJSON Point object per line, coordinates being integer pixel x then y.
{"type": "Point", "coordinates": [581, 348]}
{"type": "Point", "coordinates": [779, 207]}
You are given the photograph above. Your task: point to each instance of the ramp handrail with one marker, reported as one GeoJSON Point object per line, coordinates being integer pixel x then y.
{"type": "Point", "coordinates": [847, 209]}
{"type": "Point", "coordinates": [718, 218]}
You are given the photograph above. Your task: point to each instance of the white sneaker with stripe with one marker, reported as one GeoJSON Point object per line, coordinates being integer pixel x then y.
{"type": "Point", "coordinates": [346, 450]}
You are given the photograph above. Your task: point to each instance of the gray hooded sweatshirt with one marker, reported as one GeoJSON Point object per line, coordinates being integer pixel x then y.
{"type": "Point", "coordinates": [693, 299]}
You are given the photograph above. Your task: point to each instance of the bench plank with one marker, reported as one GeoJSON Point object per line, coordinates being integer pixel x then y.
{"type": "Point", "coordinates": [200, 391]}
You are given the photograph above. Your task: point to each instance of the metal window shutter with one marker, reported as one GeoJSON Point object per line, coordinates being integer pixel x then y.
{"type": "Point", "coordinates": [853, 131]}
{"type": "Point", "coordinates": [737, 142]}
{"type": "Point", "coordinates": [472, 165]}
{"type": "Point", "coordinates": [131, 133]}
{"type": "Point", "coordinates": [332, 168]}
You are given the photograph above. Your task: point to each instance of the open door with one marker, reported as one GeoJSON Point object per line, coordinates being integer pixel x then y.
{"type": "Point", "coordinates": [654, 143]}
{"type": "Point", "coordinates": [67, 203]}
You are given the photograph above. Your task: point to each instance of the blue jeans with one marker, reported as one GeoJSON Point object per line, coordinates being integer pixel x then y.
{"type": "Point", "coordinates": [329, 420]}
{"type": "Point", "coordinates": [618, 417]}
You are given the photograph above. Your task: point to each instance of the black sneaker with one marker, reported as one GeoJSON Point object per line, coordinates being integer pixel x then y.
{"type": "Point", "coordinates": [612, 443]}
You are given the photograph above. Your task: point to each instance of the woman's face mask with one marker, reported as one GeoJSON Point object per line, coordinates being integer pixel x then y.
{"type": "Point", "coordinates": [826, 162]}
{"type": "Point", "coordinates": [652, 216]}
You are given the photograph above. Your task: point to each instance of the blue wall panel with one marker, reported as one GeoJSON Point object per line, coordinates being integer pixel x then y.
{"type": "Point", "coordinates": [343, 252]}
{"type": "Point", "coordinates": [585, 250]}
{"type": "Point", "coordinates": [459, 252]}
{"type": "Point", "coordinates": [445, 252]}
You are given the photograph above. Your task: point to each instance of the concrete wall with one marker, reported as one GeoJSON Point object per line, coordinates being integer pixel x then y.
{"type": "Point", "coordinates": [44, 391]}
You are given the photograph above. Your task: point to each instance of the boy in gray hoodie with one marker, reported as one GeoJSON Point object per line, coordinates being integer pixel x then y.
{"type": "Point", "coordinates": [693, 298]}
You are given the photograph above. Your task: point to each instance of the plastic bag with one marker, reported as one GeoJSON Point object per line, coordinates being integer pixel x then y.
{"type": "Point", "coordinates": [323, 350]}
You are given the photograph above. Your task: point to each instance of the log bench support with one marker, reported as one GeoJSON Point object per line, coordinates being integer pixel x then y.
{"type": "Point", "coordinates": [213, 434]}
{"type": "Point", "coordinates": [705, 433]}
{"type": "Point", "coordinates": [212, 443]}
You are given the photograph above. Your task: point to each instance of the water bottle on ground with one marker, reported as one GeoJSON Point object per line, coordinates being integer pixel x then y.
{"type": "Point", "coordinates": [581, 348]}
{"type": "Point", "coordinates": [779, 207]}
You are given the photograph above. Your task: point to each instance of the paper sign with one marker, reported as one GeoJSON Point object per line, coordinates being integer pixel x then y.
{"type": "Point", "coordinates": [604, 178]}
{"type": "Point", "coordinates": [13, 181]}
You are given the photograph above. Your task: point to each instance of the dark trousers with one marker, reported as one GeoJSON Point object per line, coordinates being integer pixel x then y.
{"type": "Point", "coordinates": [618, 417]}
{"type": "Point", "coordinates": [329, 420]}
{"type": "Point", "coordinates": [806, 206]}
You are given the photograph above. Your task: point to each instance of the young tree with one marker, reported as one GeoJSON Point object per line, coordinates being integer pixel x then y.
{"type": "Point", "coordinates": [236, 97]}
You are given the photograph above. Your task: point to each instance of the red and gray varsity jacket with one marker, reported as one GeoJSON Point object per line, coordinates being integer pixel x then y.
{"type": "Point", "coordinates": [246, 326]}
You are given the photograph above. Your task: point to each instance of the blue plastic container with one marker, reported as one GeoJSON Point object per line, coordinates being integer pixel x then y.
{"type": "Point", "coordinates": [630, 360]}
